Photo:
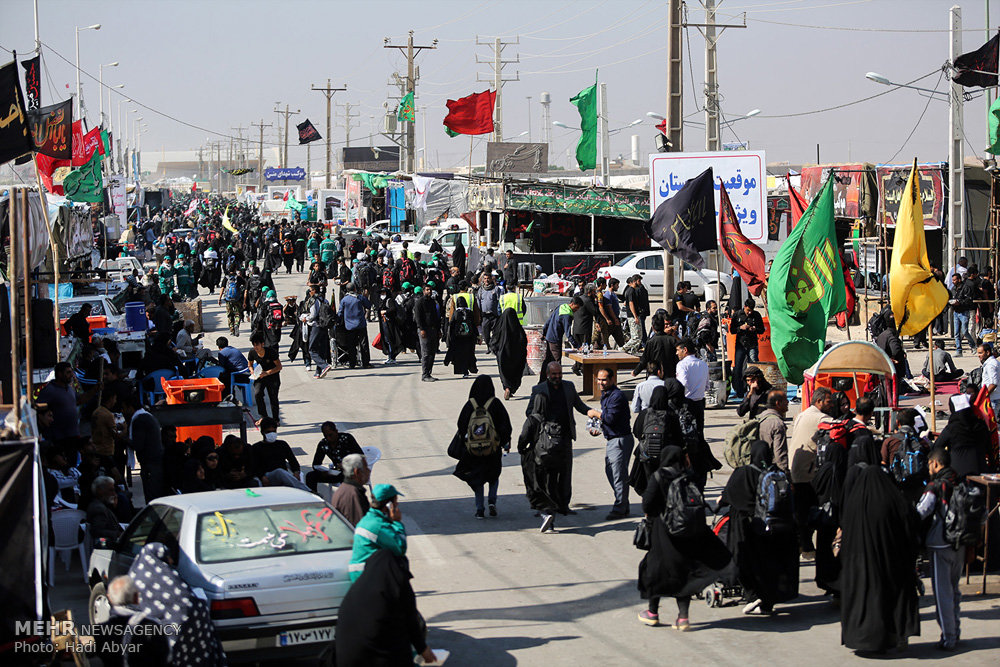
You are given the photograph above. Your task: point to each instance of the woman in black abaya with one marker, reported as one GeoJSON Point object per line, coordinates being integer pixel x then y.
{"type": "Point", "coordinates": [767, 563]}
{"type": "Point", "coordinates": [643, 467]}
{"type": "Point", "coordinates": [674, 566]}
{"type": "Point", "coordinates": [461, 340]}
{"type": "Point", "coordinates": [510, 344]}
{"type": "Point", "coordinates": [479, 471]}
{"type": "Point", "coordinates": [828, 485]}
{"type": "Point", "coordinates": [879, 554]}
{"type": "Point", "coordinates": [966, 438]}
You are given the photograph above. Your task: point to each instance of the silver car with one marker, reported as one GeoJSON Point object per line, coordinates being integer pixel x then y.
{"type": "Point", "coordinates": [272, 563]}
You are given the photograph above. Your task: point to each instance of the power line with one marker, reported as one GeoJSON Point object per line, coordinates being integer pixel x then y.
{"type": "Point", "coordinates": [917, 124]}
{"type": "Point", "coordinates": [893, 89]}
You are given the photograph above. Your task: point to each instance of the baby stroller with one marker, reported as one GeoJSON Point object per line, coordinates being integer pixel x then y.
{"type": "Point", "coordinates": [727, 590]}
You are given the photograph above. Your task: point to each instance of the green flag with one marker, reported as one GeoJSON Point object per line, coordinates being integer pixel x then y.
{"type": "Point", "coordinates": [405, 111]}
{"type": "Point", "coordinates": [371, 181]}
{"type": "Point", "coordinates": [806, 287]}
{"type": "Point", "coordinates": [993, 120]}
{"type": "Point", "coordinates": [84, 184]}
{"type": "Point", "coordinates": [449, 132]}
{"type": "Point", "coordinates": [586, 148]}
{"type": "Point", "coordinates": [292, 203]}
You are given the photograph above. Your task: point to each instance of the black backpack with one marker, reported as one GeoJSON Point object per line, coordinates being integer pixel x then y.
{"type": "Point", "coordinates": [550, 450]}
{"type": "Point", "coordinates": [684, 515]}
{"type": "Point", "coordinates": [876, 325]}
{"type": "Point", "coordinates": [909, 462]}
{"type": "Point", "coordinates": [463, 323]}
{"type": "Point", "coordinates": [964, 515]}
{"type": "Point", "coordinates": [773, 512]}
{"type": "Point", "coordinates": [325, 316]}
{"type": "Point", "coordinates": [653, 430]}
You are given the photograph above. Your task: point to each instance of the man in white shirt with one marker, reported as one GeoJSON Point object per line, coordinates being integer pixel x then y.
{"type": "Point", "coordinates": [644, 390]}
{"type": "Point", "coordinates": [991, 373]}
{"type": "Point", "coordinates": [692, 372]}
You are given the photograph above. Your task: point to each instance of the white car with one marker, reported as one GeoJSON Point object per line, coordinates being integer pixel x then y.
{"type": "Point", "coordinates": [101, 305]}
{"type": "Point", "coordinates": [272, 563]}
{"type": "Point", "coordinates": [649, 265]}
{"type": "Point", "coordinates": [447, 234]}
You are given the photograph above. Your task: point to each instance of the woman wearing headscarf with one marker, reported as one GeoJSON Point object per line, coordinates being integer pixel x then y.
{"type": "Point", "coordinates": [193, 480]}
{"type": "Point", "coordinates": [166, 597]}
{"type": "Point", "coordinates": [878, 609]}
{"type": "Point", "coordinates": [205, 451]}
{"type": "Point", "coordinates": [643, 465]}
{"type": "Point", "coordinates": [677, 567]}
{"type": "Point", "coordinates": [378, 624]}
{"type": "Point", "coordinates": [510, 344]}
{"type": "Point", "coordinates": [965, 437]}
{"type": "Point", "coordinates": [767, 562]}
{"type": "Point", "coordinates": [692, 439]}
{"type": "Point", "coordinates": [828, 485]}
{"type": "Point", "coordinates": [462, 340]}
{"type": "Point", "coordinates": [479, 470]}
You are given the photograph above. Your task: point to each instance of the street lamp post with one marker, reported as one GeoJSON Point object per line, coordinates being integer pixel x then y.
{"type": "Point", "coordinates": [100, 93]}
{"type": "Point", "coordinates": [79, 92]}
{"type": "Point", "coordinates": [135, 152]}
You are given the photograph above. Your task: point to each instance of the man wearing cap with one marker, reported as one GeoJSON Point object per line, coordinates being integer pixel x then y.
{"type": "Point", "coordinates": [353, 313]}
{"type": "Point", "coordinates": [381, 528]}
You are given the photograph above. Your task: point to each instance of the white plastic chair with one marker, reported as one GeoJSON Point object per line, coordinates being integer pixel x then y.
{"type": "Point", "coordinates": [372, 456]}
{"type": "Point", "coordinates": [66, 539]}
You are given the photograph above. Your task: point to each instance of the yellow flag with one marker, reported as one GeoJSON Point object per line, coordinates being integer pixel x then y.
{"type": "Point", "coordinates": [916, 296]}
{"type": "Point", "coordinates": [228, 225]}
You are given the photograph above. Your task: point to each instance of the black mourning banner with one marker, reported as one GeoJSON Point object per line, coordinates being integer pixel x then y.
{"type": "Point", "coordinates": [32, 83]}
{"type": "Point", "coordinates": [979, 67]}
{"type": "Point", "coordinates": [15, 136]}
{"type": "Point", "coordinates": [307, 132]}
{"type": "Point", "coordinates": [685, 224]}
{"type": "Point", "coordinates": [52, 130]}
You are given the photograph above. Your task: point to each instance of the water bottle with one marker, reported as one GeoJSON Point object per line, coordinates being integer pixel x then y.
{"type": "Point", "coordinates": [604, 353]}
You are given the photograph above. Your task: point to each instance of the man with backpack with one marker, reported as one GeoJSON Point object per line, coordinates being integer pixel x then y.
{"type": "Point", "coordinates": [288, 252]}
{"type": "Point", "coordinates": [353, 314]}
{"type": "Point", "coordinates": [233, 288]}
{"type": "Point", "coordinates": [270, 319]}
{"type": "Point", "coordinates": [803, 463]}
{"type": "Point", "coordinates": [947, 558]}
{"type": "Point", "coordinates": [615, 426]}
{"type": "Point", "coordinates": [773, 430]}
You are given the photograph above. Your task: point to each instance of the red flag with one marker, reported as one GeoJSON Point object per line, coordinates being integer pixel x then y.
{"type": "Point", "coordinates": [747, 258]}
{"type": "Point", "coordinates": [194, 187]}
{"type": "Point", "coordinates": [797, 203]}
{"type": "Point", "coordinates": [472, 114]}
{"type": "Point", "coordinates": [46, 167]}
{"type": "Point", "coordinates": [662, 126]}
{"type": "Point", "coordinates": [286, 195]}
{"type": "Point", "coordinates": [852, 292]}
{"type": "Point", "coordinates": [84, 145]}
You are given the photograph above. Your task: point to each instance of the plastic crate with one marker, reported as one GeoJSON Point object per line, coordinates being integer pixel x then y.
{"type": "Point", "coordinates": [195, 390]}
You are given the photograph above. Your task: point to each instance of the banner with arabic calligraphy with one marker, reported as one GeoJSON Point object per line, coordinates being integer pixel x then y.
{"type": "Point", "coordinates": [32, 83]}
{"type": "Point", "coordinates": [554, 198]}
{"type": "Point", "coordinates": [849, 187]}
{"type": "Point", "coordinates": [51, 130]}
{"type": "Point", "coordinates": [84, 145]}
{"type": "Point", "coordinates": [743, 172]}
{"type": "Point", "coordinates": [15, 136]}
{"type": "Point", "coordinates": [892, 182]}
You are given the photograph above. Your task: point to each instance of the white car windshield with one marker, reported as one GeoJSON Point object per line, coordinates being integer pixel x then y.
{"type": "Point", "coordinates": [624, 262]}
{"type": "Point", "coordinates": [265, 532]}
{"type": "Point", "coordinates": [426, 235]}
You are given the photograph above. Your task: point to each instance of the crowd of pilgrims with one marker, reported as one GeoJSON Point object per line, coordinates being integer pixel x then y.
{"type": "Point", "coordinates": [838, 483]}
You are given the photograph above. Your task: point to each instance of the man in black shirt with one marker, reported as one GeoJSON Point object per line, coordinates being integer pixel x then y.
{"type": "Point", "coordinates": [335, 446]}
{"type": "Point", "coordinates": [77, 323]}
{"type": "Point", "coordinates": [265, 379]}
{"type": "Point", "coordinates": [747, 324]}
{"type": "Point", "coordinates": [427, 313]}
{"type": "Point", "coordinates": [661, 348]}
{"type": "Point", "coordinates": [270, 455]}
{"type": "Point", "coordinates": [686, 302]}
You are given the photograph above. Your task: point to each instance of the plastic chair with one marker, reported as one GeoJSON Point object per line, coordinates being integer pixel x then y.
{"type": "Point", "coordinates": [66, 539]}
{"type": "Point", "coordinates": [372, 456]}
{"type": "Point", "coordinates": [151, 388]}
{"type": "Point", "coordinates": [211, 372]}
{"type": "Point", "coordinates": [245, 388]}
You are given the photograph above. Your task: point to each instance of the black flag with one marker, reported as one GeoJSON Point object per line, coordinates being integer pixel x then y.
{"type": "Point", "coordinates": [979, 67]}
{"type": "Point", "coordinates": [15, 136]}
{"type": "Point", "coordinates": [685, 224]}
{"type": "Point", "coordinates": [307, 132]}
{"type": "Point", "coordinates": [32, 83]}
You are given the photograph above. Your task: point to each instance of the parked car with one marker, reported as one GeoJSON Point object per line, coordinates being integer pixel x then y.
{"type": "Point", "coordinates": [101, 306]}
{"type": "Point", "coordinates": [272, 562]}
{"type": "Point", "coordinates": [447, 234]}
{"type": "Point", "coordinates": [649, 265]}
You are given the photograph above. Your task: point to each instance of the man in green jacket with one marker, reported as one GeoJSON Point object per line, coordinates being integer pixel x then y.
{"type": "Point", "coordinates": [327, 249]}
{"type": "Point", "coordinates": [381, 528]}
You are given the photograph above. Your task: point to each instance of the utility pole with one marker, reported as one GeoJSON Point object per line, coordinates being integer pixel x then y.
{"type": "Point", "coordinates": [713, 129]}
{"type": "Point", "coordinates": [498, 80]}
{"type": "Point", "coordinates": [675, 117]}
{"type": "Point", "coordinates": [286, 113]}
{"type": "Point", "coordinates": [602, 123]}
{"type": "Point", "coordinates": [411, 51]}
{"type": "Point", "coordinates": [546, 101]}
{"type": "Point", "coordinates": [260, 155]}
{"type": "Point", "coordinates": [956, 150]}
{"type": "Point", "coordinates": [348, 120]}
{"type": "Point", "coordinates": [239, 149]}
{"type": "Point", "coordinates": [328, 91]}
{"type": "Point", "coordinates": [529, 119]}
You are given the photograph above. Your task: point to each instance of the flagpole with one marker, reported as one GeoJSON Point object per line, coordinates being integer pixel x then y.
{"type": "Point", "coordinates": [471, 139]}
{"type": "Point", "coordinates": [718, 306]}
{"type": "Point", "coordinates": [930, 369]}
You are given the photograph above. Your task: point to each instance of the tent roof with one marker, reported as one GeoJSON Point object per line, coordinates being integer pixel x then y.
{"type": "Point", "coordinates": [853, 357]}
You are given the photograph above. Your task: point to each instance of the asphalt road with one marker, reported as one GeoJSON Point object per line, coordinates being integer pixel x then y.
{"type": "Point", "coordinates": [496, 592]}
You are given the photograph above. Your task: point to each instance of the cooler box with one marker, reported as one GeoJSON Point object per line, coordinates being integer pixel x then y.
{"type": "Point", "coordinates": [135, 316]}
{"type": "Point", "coordinates": [764, 351]}
{"type": "Point", "coordinates": [196, 390]}
{"type": "Point", "coordinates": [95, 321]}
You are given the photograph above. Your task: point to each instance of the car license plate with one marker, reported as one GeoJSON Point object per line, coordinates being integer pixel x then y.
{"type": "Point", "coordinates": [293, 637]}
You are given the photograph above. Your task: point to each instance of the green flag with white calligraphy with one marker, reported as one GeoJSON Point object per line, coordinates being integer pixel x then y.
{"type": "Point", "coordinates": [805, 288]}
{"type": "Point", "coordinates": [84, 184]}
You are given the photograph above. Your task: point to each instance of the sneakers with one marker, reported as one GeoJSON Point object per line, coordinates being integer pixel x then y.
{"type": "Point", "coordinates": [480, 514]}
{"type": "Point", "coordinates": [752, 607]}
{"type": "Point", "coordinates": [681, 624]}
{"type": "Point", "coordinates": [649, 618]}
{"type": "Point", "coordinates": [493, 509]}
{"type": "Point", "coordinates": [428, 379]}
{"type": "Point", "coordinates": [389, 362]}
{"type": "Point", "coordinates": [548, 523]}
{"type": "Point", "coordinates": [323, 372]}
